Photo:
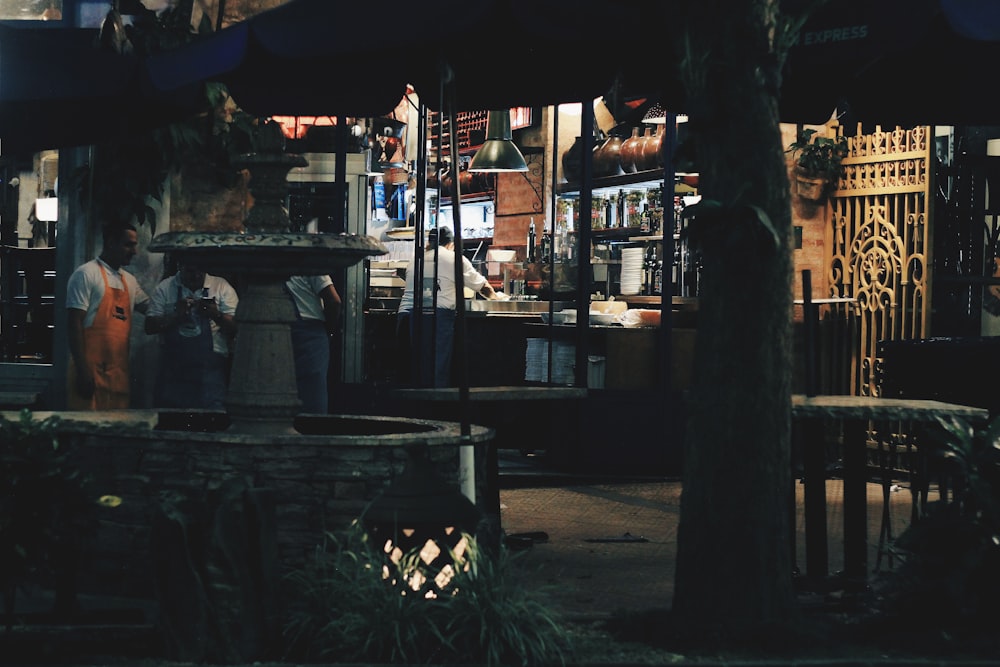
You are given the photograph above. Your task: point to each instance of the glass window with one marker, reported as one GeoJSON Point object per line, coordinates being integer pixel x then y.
{"type": "Point", "coordinates": [31, 10]}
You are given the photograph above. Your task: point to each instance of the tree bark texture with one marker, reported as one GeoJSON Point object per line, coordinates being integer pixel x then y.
{"type": "Point", "coordinates": [734, 565]}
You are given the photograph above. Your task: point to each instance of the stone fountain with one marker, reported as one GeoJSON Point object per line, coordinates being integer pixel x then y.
{"type": "Point", "coordinates": [262, 396]}
{"type": "Point", "coordinates": [317, 473]}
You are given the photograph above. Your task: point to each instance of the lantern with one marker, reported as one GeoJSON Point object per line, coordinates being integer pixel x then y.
{"type": "Point", "coordinates": [421, 523]}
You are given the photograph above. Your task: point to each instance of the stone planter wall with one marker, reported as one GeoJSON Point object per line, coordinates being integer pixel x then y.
{"type": "Point", "coordinates": [317, 484]}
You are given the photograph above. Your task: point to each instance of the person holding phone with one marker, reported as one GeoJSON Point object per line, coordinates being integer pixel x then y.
{"type": "Point", "coordinates": [193, 313]}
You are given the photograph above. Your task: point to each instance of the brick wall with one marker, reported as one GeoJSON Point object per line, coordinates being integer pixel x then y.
{"type": "Point", "coordinates": [814, 221]}
{"type": "Point", "coordinates": [519, 199]}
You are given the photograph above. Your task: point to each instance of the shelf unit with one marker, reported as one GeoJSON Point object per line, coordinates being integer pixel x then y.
{"type": "Point", "coordinates": [682, 273]}
{"type": "Point", "coordinates": [470, 128]}
{"type": "Point", "coordinates": [27, 298]}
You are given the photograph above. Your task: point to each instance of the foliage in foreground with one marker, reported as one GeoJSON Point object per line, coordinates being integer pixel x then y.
{"type": "Point", "coordinates": [950, 576]}
{"type": "Point", "coordinates": [46, 511]}
{"type": "Point", "coordinates": [342, 610]}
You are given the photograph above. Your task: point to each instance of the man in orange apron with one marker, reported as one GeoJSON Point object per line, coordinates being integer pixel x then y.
{"type": "Point", "coordinates": [100, 299]}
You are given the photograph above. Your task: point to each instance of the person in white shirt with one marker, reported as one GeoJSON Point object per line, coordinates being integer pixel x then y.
{"type": "Point", "coordinates": [437, 330]}
{"type": "Point", "coordinates": [194, 315]}
{"type": "Point", "coordinates": [100, 300]}
{"type": "Point", "coordinates": [317, 309]}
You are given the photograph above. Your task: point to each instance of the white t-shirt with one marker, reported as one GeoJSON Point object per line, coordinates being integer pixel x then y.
{"type": "Point", "coordinates": [445, 280]}
{"type": "Point", "coordinates": [165, 297]}
{"type": "Point", "coordinates": [305, 292]}
{"type": "Point", "coordinates": [85, 288]}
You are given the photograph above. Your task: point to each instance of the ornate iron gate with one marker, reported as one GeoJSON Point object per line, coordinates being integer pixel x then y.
{"type": "Point", "coordinates": [881, 241]}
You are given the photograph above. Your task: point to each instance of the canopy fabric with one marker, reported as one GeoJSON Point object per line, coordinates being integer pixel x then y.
{"type": "Point", "coordinates": [892, 62]}
{"type": "Point", "coordinates": [312, 57]}
{"type": "Point", "coordinates": [973, 19]}
{"type": "Point", "coordinates": [58, 88]}
{"type": "Point", "coordinates": [57, 84]}
{"type": "Point", "coordinates": [896, 62]}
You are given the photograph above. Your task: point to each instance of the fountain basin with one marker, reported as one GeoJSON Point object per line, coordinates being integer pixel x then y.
{"type": "Point", "coordinates": [284, 253]}
{"type": "Point", "coordinates": [319, 480]}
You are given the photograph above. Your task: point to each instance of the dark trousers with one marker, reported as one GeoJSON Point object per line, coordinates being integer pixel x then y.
{"type": "Point", "coordinates": [429, 346]}
{"type": "Point", "coordinates": [311, 345]}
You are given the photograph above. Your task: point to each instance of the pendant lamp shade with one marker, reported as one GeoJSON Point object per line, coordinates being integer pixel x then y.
{"type": "Point", "coordinates": [499, 152]}
{"type": "Point", "coordinates": [656, 115]}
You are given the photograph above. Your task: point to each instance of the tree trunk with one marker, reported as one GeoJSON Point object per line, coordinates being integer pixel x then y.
{"type": "Point", "coordinates": [734, 566]}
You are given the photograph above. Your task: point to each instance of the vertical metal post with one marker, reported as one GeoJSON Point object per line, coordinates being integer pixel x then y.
{"type": "Point", "coordinates": [666, 294]}
{"type": "Point", "coordinates": [583, 252]}
{"type": "Point", "coordinates": [353, 286]}
{"type": "Point", "coordinates": [460, 350]}
{"type": "Point", "coordinates": [420, 197]}
{"type": "Point", "coordinates": [552, 243]}
{"type": "Point", "coordinates": [813, 446]}
{"type": "Point", "coordinates": [855, 502]}
{"type": "Point", "coordinates": [419, 227]}
{"type": "Point", "coordinates": [809, 334]}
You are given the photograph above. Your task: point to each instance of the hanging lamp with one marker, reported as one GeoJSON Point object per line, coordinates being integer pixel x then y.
{"type": "Point", "coordinates": [498, 153]}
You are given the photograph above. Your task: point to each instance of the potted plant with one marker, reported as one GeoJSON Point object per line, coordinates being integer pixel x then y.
{"type": "Point", "coordinates": [817, 163]}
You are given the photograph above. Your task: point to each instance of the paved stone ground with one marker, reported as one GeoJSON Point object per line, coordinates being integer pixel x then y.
{"type": "Point", "coordinates": [611, 548]}
{"type": "Point", "coordinates": [592, 565]}
{"type": "Point", "coordinates": [592, 568]}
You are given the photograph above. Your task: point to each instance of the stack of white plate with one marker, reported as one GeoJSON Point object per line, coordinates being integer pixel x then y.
{"type": "Point", "coordinates": [632, 258]}
{"type": "Point", "coordinates": [536, 367]}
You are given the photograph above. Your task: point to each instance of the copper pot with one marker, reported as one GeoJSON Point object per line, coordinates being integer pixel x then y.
{"type": "Point", "coordinates": [630, 150]}
{"type": "Point", "coordinates": [646, 160]}
{"type": "Point", "coordinates": [607, 157]}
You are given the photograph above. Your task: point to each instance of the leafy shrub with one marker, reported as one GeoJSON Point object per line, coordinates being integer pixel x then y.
{"type": "Point", "coordinates": [45, 510]}
{"type": "Point", "coordinates": [950, 575]}
{"type": "Point", "coordinates": [343, 607]}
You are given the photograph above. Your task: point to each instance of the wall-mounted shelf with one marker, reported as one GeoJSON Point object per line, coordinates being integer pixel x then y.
{"type": "Point", "coordinates": [621, 234]}
{"type": "Point", "coordinates": [684, 183]}
{"type": "Point", "coordinates": [652, 178]}
{"type": "Point", "coordinates": [471, 198]}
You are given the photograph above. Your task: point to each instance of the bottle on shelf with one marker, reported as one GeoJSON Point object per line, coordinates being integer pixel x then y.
{"type": "Point", "coordinates": [546, 245]}
{"type": "Point", "coordinates": [563, 248]}
{"type": "Point", "coordinates": [675, 271]}
{"type": "Point", "coordinates": [530, 255]}
{"type": "Point", "coordinates": [633, 200]}
{"type": "Point", "coordinates": [649, 270]}
{"type": "Point", "coordinates": [597, 212]}
{"type": "Point", "coordinates": [654, 198]}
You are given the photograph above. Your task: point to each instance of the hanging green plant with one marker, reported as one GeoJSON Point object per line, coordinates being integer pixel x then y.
{"type": "Point", "coordinates": [818, 165]}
